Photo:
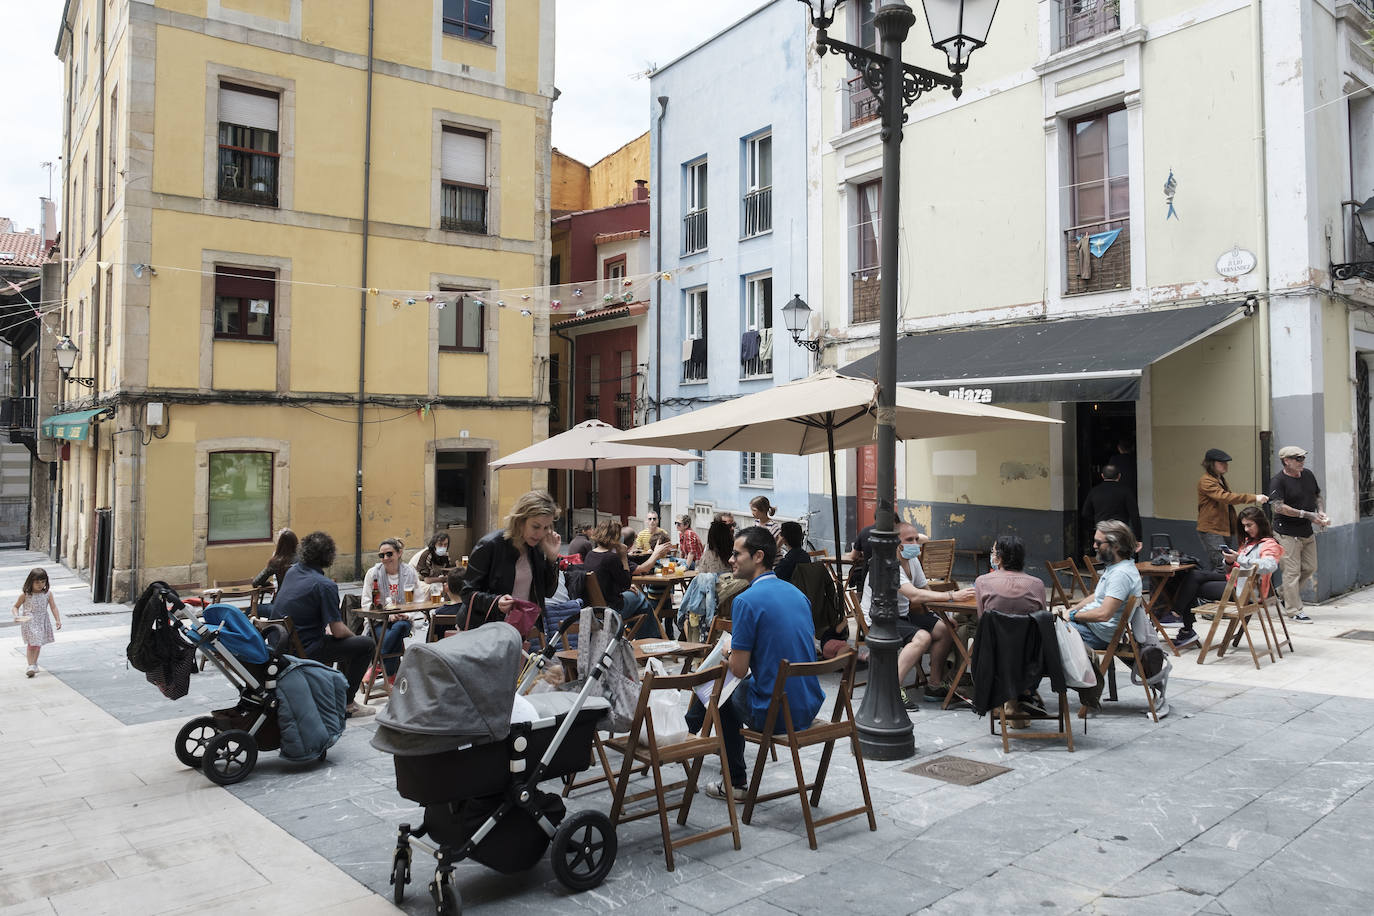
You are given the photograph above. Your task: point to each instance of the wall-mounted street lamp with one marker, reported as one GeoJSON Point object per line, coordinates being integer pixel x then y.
{"type": "Point", "coordinates": [66, 353]}
{"type": "Point", "coordinates": [797, 316]}
{"type": "Point", "coordinates": [1364, 215]}
{"type": "Point", "coordinates": [958, 28]}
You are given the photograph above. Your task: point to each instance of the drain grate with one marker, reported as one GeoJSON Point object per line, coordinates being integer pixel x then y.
{"type": "Point", "coordinates": [98, 613]}
{"type": "Point", "coordinates": [958, 770]}
{"type": "Point", "coordinates": [1358, 634]}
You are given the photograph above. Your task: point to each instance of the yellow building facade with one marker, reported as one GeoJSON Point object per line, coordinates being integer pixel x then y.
{"type": "Point", "coordinates": [281, 220]}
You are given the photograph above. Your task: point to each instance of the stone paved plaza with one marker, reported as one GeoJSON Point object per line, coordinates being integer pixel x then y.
{"type": "Point", "coordinates": [1253, 796]}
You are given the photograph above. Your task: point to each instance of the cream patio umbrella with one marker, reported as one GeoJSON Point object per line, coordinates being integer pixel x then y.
{"type": "Point", "coordinates": [820, 413]}
{"type": "Point", "coordinates": [587, 447]}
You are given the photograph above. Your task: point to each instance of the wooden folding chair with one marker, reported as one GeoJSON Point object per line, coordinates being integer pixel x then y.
{"type": "Point", "coordinates": [293, 639]}
{"type": "Point", "coordinates": [592, 586]}
{"type": "Point", "coordinates": [719, 625]}
{"type": "Point", "coordinates": [999, 719]}
{"type": "Point", "coordinates": [641, 746]}
{"type": "Point", "coordinates": [438, 622]}
{"type": "Point", "coordinates": [937, 562]}
{"type": "Point", "coordinates": [854, 603]}
{"type": "Point", "coordinates": [839, 727]}
{"type": "Point", "coordinates": [1093, 567]}
{"type": "Point", "coordinates": [1122, 646]}
{"type": "Point", "coordinates": [1066, 584]}
{"type": "Point", "coordinates": [1272, 607]}
{"type": "Point", "coordinates": [1236, 606]}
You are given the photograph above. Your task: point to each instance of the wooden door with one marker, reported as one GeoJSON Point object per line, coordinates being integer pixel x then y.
{"type": "Point", "coordinates": [866, 485]}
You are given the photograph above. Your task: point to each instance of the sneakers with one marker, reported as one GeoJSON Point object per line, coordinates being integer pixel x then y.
{"type": "Point", "coordinates": [357, 711]}
{"type": "Point", "coordinates": [1301, 617]}
{"type": "Point", "coordinates": [1184, 638]}
{"type": "Point", "coordinates": [936, 693]}
{"type": "Point", "coordinates": [909, 701]}
{"type": "Point", "coordinates": [30, 671]}
{"type": "Point", "coordinates": [1170, 619]}
{"type": "Point", "coordinates": [1033, 705]}
{"type": "Point", "coordinates": [716, 790]}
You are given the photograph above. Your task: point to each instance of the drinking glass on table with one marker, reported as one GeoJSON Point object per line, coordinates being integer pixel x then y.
{"type": "Point", "coordinates": [409, 593]}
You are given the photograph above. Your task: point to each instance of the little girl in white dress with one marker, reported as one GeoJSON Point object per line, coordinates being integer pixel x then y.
{"type": "Point", "coordinates": [36, 629]}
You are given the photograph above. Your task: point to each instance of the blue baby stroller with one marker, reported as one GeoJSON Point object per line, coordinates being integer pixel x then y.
{"type": "Point", "coordinates": [285, 703]}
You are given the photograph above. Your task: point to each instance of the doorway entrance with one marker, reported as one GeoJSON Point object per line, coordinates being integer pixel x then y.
{"type": "Point", "coordinates": [1104, 428]}
{"type": "Point", "coordinates": [866, 485]}
{"type": "Point", "coordinates": [460, 497]}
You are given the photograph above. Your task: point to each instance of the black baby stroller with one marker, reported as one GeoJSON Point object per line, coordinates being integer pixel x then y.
{"type": "Point", "coordinates": [284, 703]}
{"type": "Point", "coordinates": [456, 751]}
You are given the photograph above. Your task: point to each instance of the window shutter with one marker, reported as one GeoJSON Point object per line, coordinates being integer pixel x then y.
{"type": "Point", "coordinates": [465, 157]}
{"type": "Point", "coordinates": [247, 109]}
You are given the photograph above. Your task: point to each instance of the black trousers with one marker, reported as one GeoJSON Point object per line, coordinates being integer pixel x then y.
{"type": "Point", "coordinates": [1195, 584]}
{"type": "Point", "coordinates": [354, 655]}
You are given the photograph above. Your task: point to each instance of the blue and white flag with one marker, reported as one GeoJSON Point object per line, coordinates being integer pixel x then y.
{"type": "Point", "coordinates": [1100, 242]}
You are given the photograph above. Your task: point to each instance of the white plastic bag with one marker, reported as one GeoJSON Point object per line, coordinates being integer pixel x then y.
{"type": "Point", "coordinates": [1074, 655]}
{"type": "Point", "coordinates": [668, 709]}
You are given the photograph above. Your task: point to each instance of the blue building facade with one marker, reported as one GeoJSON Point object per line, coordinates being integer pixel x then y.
{"type": "Point", "coordinates": [729, 136]}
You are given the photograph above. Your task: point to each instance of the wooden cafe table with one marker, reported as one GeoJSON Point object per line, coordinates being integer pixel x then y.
{"type": "Point", "coordinates": [378, 686]}
{"type": "Point", "coordinates": [665, 583]}
{"type": "Point", "coordinates": [1161, 577]}
{"type": "Point", "coordinates": [645, 649]}
{"type": "Point", "coordinates": [947, 611]}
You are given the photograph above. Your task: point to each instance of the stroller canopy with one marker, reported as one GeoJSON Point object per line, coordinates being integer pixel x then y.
{"type": "Point", "coordinates": [459, 689]}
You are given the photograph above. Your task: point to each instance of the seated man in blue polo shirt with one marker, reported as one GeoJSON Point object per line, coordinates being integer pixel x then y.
{"type": "Point", "coordinates": [770, 621]}
{"type": "Point", "coordinates": [311, 599]}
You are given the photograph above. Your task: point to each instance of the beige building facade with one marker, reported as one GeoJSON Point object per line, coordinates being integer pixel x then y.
{"type": "Point", "coordinates": [1134, 209]}
{"type": "Point", "coordinates": [281, 219]}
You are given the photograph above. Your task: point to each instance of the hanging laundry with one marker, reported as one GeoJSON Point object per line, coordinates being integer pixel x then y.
{"type": "Point", "coordinates": [766, 344]}
{"type": "Point", "coordinates": [748, 346]}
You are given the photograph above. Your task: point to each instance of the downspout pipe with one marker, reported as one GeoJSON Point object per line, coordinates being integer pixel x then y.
{"type": "Point", "coordinates": [98, 191]}
{"type": "Point", "coordinates": [572, 378]}
{"type": "Point", "coordinates": [66, 246]}
{"type": "Point", "coordinates": [658, 296]}
{"type": "Point", "coordinates": [362, 300]}
{"type": "Point", "coordinates": [1264, 394]}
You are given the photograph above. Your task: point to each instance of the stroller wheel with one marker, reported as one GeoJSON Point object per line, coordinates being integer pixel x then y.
{"type": "Point", "coordinates": [447, 900]}
{"type": "Point", "coordinates": [229, 757]}
{"type": "Point", "coordinates": [400, 875]}
{"type": "Point", "coordinates": [584, 847]}
{"type": "Point", "coordinates": [192, 738]}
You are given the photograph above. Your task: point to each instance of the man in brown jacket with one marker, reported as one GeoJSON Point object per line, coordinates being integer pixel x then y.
{"type": "Point", "coordinates": [1216, 507]}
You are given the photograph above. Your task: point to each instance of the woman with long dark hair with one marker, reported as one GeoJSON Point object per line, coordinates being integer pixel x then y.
{"type": "Point", "coordinates": [720, 545]}
{"type": "Point", "coordinates": [283, 555]}
{"type": "Point", "coordinates": [1258, 550]}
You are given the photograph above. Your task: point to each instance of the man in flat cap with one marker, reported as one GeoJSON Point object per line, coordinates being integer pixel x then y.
{"type": "Point", "coordinates": [1297, 502]}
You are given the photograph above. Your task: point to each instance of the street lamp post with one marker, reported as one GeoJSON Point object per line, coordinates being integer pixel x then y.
{"type": "Point", "coordinates": [958, 28]}
{"type": "Point", "coordinates": [66, 353]}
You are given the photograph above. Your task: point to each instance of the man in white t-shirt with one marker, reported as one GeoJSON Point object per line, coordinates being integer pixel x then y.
{"type": "Point", "coordinates": [922, 631]}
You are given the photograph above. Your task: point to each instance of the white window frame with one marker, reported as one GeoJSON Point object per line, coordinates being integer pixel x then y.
{"type": "Point", "coordinates": [699, 467]}
{"type": "Point", "coordinates": [753, 287]}
{"type": "Point", "coordinates": [694, 313]}
{"type": "Point", "coordinates": [698, 185]}
{"type": "Point", "coordinates": [752, 468]}
{"type": "Point", "coordinates": [753, 146]}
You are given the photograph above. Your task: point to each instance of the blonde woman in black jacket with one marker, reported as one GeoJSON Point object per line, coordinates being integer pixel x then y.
{"type": "Point", "coordinates": [520, 561]}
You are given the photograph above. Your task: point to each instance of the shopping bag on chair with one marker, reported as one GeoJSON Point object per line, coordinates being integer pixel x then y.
{"type": "Point", "coordinates": [1077, 660]}
{"type": "Point", "coordinates": [668, 709]}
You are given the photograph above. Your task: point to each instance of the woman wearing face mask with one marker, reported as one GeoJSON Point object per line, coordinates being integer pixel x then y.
{"type": "Point", "coordinates": [434, 561]}
{"type": "Point", "coordinates": [1008, 587]}
{"type": "Point", "coordinates": [921, 630]}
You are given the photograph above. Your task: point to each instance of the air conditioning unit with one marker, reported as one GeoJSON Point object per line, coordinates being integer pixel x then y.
{"type": "Point", "coordinates": [702, 513]}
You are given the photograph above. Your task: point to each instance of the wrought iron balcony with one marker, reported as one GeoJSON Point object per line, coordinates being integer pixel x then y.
{"type": "Point", "coordinates": [863, 104]}
{"type": "Point", "coordinates": [864, 301]}
{"type": "Point", "coordinates": [694, 370]}
{"type": "Point", "coordinates": [463, 209]}
{"type": "Point", "coordinates": [758, 212]}
{"type": "Point", "coordinates": [1110, 268]}
{"type": "Point", "coordinates": [248, 177]}
{"type": "Point", "coordinates": [19, 419]}
{"type": "Point", "coordinates": [694, 231]}
{"type": "Point", "coordinates": [1081, 21]}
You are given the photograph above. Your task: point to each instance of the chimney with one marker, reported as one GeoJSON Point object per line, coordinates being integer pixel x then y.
{"type": "Point", "coordinates": [641, 189]}
{"type": "Point", "coordinates": [49, 221]}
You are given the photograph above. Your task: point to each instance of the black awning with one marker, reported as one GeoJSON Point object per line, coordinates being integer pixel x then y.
{"type": "Point", "coordinates": [1072, 359]}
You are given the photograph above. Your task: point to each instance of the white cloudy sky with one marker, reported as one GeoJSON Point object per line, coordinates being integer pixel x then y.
{"type": "Point", "coordinates": [604, 47]}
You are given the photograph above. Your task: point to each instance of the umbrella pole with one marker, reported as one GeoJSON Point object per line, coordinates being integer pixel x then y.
{"type": "Point", "coordinates": [595, 494]}
{"type": "Point", "coordinates": [834, 490]}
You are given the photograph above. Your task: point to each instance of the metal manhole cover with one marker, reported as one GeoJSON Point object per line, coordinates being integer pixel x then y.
{"type": "Point", "coordinates": [958, 770]}
{"type": "Point", "coordinates": [1358, 634]}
